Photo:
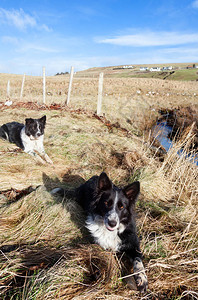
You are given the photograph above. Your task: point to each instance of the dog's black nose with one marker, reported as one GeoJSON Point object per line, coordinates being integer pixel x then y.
{"type": "Point", "coordinates": [112, 223]}
{"type": "Point", "coordinates": [38, 134]}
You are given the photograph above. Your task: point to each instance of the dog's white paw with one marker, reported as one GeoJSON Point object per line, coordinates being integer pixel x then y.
{"type": "Point", "coordinates": [48, 160]}
{"type": "Point", "coordinates": [141, 282]}
{"type": "Point", "coordinates": [140, 275]}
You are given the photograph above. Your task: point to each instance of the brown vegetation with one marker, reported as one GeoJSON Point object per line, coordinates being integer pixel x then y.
{"type": "Point", "coordinates": [45, 249]}
{"type": "Point", "coordinates": [181, 120]}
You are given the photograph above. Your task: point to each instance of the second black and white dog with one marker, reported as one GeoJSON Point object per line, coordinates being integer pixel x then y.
{"type": "Point", "coordinates": [28, 137]}
{"type": "Point", "coordinates": [110, 219]}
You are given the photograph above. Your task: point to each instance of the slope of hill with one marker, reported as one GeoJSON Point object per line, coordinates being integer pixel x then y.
{"type": "Point", "coordinates": [178, 72]}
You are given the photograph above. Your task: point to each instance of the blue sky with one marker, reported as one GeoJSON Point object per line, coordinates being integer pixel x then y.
{"type": "Point", "coordinates": [87, 33]}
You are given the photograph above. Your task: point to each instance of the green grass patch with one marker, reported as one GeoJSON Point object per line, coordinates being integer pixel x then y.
{"type": "Point", "coordinates": [180, 75]}
{"type": "Point", "coordinates": [186, 75]}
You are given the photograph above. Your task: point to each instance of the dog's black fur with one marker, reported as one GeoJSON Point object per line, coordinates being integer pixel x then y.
{"type": "Point", "coordinates": [110, 219]}
{"type": "Point", "coordinates": [28, 137]}
{"type": "Point", "coordinates": [11, 132]}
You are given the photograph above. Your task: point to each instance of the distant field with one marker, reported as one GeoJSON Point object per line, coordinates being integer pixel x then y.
{"type": "Point", "coordinates": [179, 72]}
{"type": "Point", "coordinates": [184, 75]}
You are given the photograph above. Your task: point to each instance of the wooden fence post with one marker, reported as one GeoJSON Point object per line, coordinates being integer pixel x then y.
{"type": "Point", "coordinates": [8, 88]}
{"type": "Point", "coordinates": [100, 89]}
{"type": "Point", "coordinates": [43, 85]}
{"type": "Point", "coordinates": [22, 86]}
{"type": "Point", "coordinates": [70, 85]}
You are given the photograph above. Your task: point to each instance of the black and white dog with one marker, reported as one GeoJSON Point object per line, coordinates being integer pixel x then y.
{"type": "Point", "coordinates": [28, 137]}
{"type": "Point", "coordinates": [110, 219]}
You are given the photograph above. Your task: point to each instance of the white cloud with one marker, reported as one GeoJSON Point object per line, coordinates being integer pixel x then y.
{"type": "Point", "coordinates": [36, 48]}
{"type": "Point", "coordinates": [192, 51]}
{"type": "Point", "coordinates": [195, 4]}
{"type": "Point", "coordinates": [186, 54]}
{"type": "Point", "coordinates": [46, 28]}
{"type": "Point", "coordinates": [10, 40]}
{"type": "Point", "coordinates": [86, 11]}
{"type": "Point", "coordinates": [148, 39]}
{"type": "Point", "coordinates": [20, 19]}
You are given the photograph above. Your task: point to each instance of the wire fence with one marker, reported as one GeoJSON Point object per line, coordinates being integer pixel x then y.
{"type": "Point", "coordinates": [134, 103]}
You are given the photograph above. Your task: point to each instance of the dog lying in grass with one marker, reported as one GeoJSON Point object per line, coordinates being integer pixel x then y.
{"type": "Point", "coordinates": [110, 219]}
{"type": "Point", "coordinates": [28, 137]}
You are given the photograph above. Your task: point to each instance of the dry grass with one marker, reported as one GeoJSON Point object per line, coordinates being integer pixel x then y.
{"type": "Point", "coordinates": [45, 250]}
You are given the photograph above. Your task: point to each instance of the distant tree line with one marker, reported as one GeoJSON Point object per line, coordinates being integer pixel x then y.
{"type": "Point", "coordinates": [62, 73]}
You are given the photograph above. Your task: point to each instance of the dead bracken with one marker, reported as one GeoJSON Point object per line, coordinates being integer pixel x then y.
{"type": "Point", "coordinates": [45, 251]}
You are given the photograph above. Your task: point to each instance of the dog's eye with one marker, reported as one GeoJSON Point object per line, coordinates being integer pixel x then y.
{"type": "Point", "coordinates": [108, 203]}
{"type": "Point", "coordinates": [120, 206]}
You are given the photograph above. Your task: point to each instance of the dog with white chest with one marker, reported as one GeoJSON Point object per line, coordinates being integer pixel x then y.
{"type": "Point", "coordinates": [29, 137]}
{"type": "Point", "coordinates": [111, 219]}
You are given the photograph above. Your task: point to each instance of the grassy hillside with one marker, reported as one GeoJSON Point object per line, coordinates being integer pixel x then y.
{"type": "Point", "coordinates": [179, 72]}
{"type": "Point", "coordinates": [45, 250]}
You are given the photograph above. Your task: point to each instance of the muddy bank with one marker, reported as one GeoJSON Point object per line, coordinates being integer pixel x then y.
{"type": "Point", "coordinates": [180, 120]}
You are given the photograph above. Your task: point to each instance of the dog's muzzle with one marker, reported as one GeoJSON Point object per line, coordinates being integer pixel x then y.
{"type": "Point", "coordinates": [112, 221]}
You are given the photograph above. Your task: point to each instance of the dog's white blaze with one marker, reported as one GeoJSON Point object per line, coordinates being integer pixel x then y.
{"type": "Point", "coordinates": [112, 214]}
{"type": "Point", "coordinates": [116, 201]}
{"type": "Point", "coordinates": [38, 128]}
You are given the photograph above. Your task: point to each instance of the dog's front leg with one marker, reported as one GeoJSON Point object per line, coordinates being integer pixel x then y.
{"type": "Point", "coordinates": [140, 274]}
{"type": "Point", "coordinates": [134, 274]}
{"type": "Point", "coordinates": [46, 157]}
{"type": "Point", "coordinates": [132, 249]}
{"type": "Point", "coordinates": [36, 156]}
{"type": "Point", "coordinates": [41, 151]}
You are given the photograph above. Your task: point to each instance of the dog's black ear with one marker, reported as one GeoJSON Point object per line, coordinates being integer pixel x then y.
{"type": "Point", "coordinates": [43, 120]}
{"type": "Point", "coordinates": [104, 183]}
{"type": "Point", "coordinates": [28, 121]}
{"type": "Point", "coordinates": [132, 190]}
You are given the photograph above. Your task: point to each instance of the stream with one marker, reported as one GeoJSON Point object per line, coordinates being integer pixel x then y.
{"type": "Point", "coordinates": [161, 133]}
